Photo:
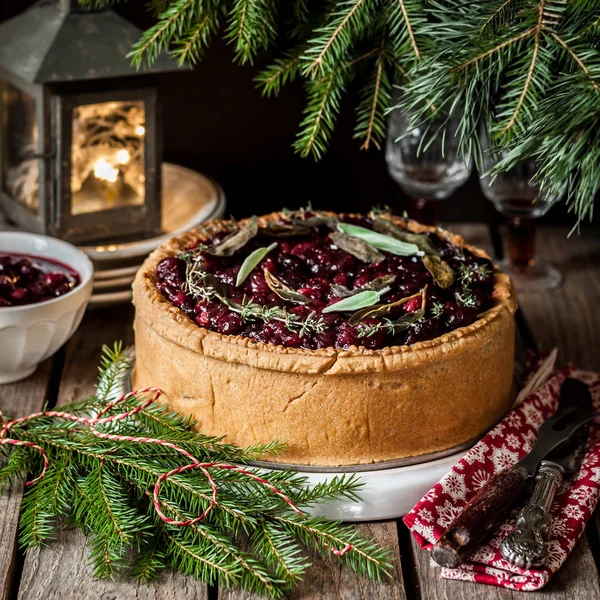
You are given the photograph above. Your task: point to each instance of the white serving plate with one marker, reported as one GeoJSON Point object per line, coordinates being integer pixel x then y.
{"type": "Point", "coordinates": [386, 493]}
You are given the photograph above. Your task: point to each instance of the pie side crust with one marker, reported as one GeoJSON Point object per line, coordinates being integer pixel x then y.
{"type": "Point", "coordinates": [330, 406]}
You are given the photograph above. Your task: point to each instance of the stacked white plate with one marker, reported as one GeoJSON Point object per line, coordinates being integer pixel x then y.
{"type": "Point", "coordinates": [188, 199]}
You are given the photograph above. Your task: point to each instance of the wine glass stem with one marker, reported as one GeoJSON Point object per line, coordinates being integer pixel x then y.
{"type": "Point", "coordinates": [425, 211]}
{"type": "Point", "coordinates": [521, 242]}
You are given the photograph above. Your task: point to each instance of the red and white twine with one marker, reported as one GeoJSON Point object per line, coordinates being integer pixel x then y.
{"type": "Point", "coordinates": [92, 423]}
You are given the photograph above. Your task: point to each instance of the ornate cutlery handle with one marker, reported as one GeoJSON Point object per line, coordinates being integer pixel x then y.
{"type": "Point", "coordinates": [485, 510]}
{"type": "Point", "coordinates": [526, 547]}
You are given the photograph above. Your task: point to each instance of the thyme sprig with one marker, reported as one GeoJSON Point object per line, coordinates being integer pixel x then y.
{"type": "Point", "coordinates": [250, 310]}
{"type": "Point", "coordinates": [466, 299]}
{"type": "Point", "coordinates": [437, 309]}
{"type": "Point", "coordinates": [203, 286]}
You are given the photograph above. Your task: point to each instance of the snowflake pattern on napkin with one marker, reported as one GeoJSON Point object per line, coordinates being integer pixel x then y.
{"type": "Point", "coordinates": [502, 447]}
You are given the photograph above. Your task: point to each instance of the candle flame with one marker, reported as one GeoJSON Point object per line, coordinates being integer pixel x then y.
{"type": "Point", "coordinates": [104, 170]}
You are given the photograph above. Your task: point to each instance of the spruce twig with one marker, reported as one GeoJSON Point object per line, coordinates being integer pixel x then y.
{"type": "Point", "coordinates": [251, 538]}
{"type": "Point", "coordinates": [502, 65]}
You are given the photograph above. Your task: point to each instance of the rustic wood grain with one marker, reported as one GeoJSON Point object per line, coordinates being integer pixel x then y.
{"type": "Point", "coordinates": [61, 570]}
{"type": "Point", "coordinates": [327, 580]}
{"type": "Point", "coordinates": [17, 400]}
{"type": "Point", "coordinates": [577, 580]}
{"type": "Point", "coordinates": [569, 316]}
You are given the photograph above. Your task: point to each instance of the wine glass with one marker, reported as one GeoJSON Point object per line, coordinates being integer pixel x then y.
{"type": "Point", "coordinates": [428, 173]}
{"type": "Point", "coordinates": [517, 196]}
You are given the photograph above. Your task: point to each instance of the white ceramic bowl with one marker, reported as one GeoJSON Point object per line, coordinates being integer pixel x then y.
{"type": "Point", "coordinates": [31, 333]}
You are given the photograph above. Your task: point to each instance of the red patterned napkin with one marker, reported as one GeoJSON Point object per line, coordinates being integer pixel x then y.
{"type": "Point", "coordinates": [503, 446]}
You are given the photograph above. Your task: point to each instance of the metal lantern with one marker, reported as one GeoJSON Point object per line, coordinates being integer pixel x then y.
{"type": "Point", "coordinates": [80, 139]}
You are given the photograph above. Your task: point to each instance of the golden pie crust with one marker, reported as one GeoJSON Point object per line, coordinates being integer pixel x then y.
{"type": "Point", "coordinates": [331, 406]}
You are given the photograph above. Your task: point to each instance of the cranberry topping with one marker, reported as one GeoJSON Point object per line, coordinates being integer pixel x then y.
{"type": "Point", "coordinates": [26, 279]}
{"type": "Point", "coordinates": [310, 264]}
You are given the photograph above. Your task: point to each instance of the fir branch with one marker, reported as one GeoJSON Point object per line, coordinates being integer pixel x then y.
{"type": "Point", "coordinates": [190, 47]}
{"type": "Point", "coordinates": [323, 535]}
{"type": "Point", "coordinates": [501, 63]}
{"type": "Point", "coordinates": [37, 522]}
{"type": "Point", "coordinates": [176, 17]}
{"type": "Point", "coordinates": [320, 115]}
{"type": "Point", "coordinates": [494, 49]}
{"type": "Point", "coordinates": [281, 551]}
{"type": "Point", "coordinates": [284, 70]}
{"type": "Point", "coordinates": [251, 537]}
{"type": "Point", "coordinates": [400, 19]}
{"type": "Point", "coordinates": [500, 16]}
{"type": "Point", "coordinates": [252, 27]}
{"type": "Point", "coordinates": [332, 42]}
{"type": "Point", "coordinates": [376, 96]}
{"type": "Point", "coordinates": [528, 81]}
{"type": "Point", "coordinates": [148, 562]}
{"type": "Point", "coordinates": [578, 60]}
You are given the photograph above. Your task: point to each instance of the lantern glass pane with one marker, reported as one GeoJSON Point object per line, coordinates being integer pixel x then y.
{"type": "Point", "coordinates": [107, 156]}
{"type": "Point", "coordinates": [20, 169]}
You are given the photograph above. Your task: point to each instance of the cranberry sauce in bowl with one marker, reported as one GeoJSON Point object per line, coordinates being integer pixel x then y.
{"type": "Point", "coordinates": [280, 284]}
{"type": "Point", "coordinates": [30, 279]}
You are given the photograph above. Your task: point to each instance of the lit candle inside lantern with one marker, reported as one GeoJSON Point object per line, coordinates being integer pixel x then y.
{"type": "Point", "coordinates": [104, 170]}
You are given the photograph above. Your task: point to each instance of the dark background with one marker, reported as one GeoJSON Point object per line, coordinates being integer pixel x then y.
{"type": "Point", "coordinates": [215, 121]}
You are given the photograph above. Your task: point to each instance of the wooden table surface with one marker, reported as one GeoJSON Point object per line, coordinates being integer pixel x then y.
{"type": "Point", "coordinates": [566, 317]}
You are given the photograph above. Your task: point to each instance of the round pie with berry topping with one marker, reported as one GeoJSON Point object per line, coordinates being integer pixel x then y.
{"type": "Point", "coordinates": [352, 339]}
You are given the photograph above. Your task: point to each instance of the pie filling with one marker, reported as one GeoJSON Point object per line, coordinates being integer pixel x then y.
{"type": "Point", "coordinates": [281, 283]}
{"type": "Point", "coordinates": [27, 279]}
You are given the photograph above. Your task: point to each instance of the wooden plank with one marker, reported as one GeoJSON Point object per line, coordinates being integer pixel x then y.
{"type": "Point", "coordinates": [563, 318]}
{"type": "Point", "coordinates": [567, 317]}
{"type": "Point", "coordinates": [61, 569]}
{"type": "Point", "coordinates": [17, 400]}
{"type": "Point", "coordinates": [578, 579]}
{"type": "Point", "coordinates": [326, 579]}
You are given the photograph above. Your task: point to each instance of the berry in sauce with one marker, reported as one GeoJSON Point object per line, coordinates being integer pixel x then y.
{"type": "Point", "coordinates": [27, 279]}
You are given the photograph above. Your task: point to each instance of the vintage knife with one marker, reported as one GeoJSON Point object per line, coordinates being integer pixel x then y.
{"type": "Point", "coordinates": [488, 507]}
{"type": "Point", "coordinates": [526, 547]}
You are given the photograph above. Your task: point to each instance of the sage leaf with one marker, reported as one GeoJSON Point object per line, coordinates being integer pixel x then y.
{"type": "Point", "coordinates": [279, 230]}
{"type": "Point", "coordinates": [382, 310]}
{"type": "Point", "coordinates": [341, 291]}
{"type": "Point", "coordinates": [356, 247]}
{"type": "Point", "coordinates": [316, 220]}
{"type": "Point", "coordinates": [379, 240]}
{"type": "Point", "coordinates": [283, 291]}
{"type": "Point", "coordinates": [388, 227]}
{"type": "Point", "coordinates": [441, 271]}
{"type": "Point", "coordinates": [379, 283]}
{"type": "Point", "coordinates": [356, 302]}
{"type": "Point", "coordinates": [236, 240]}
{"type": "Point", "coordinates": [251, 262]}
